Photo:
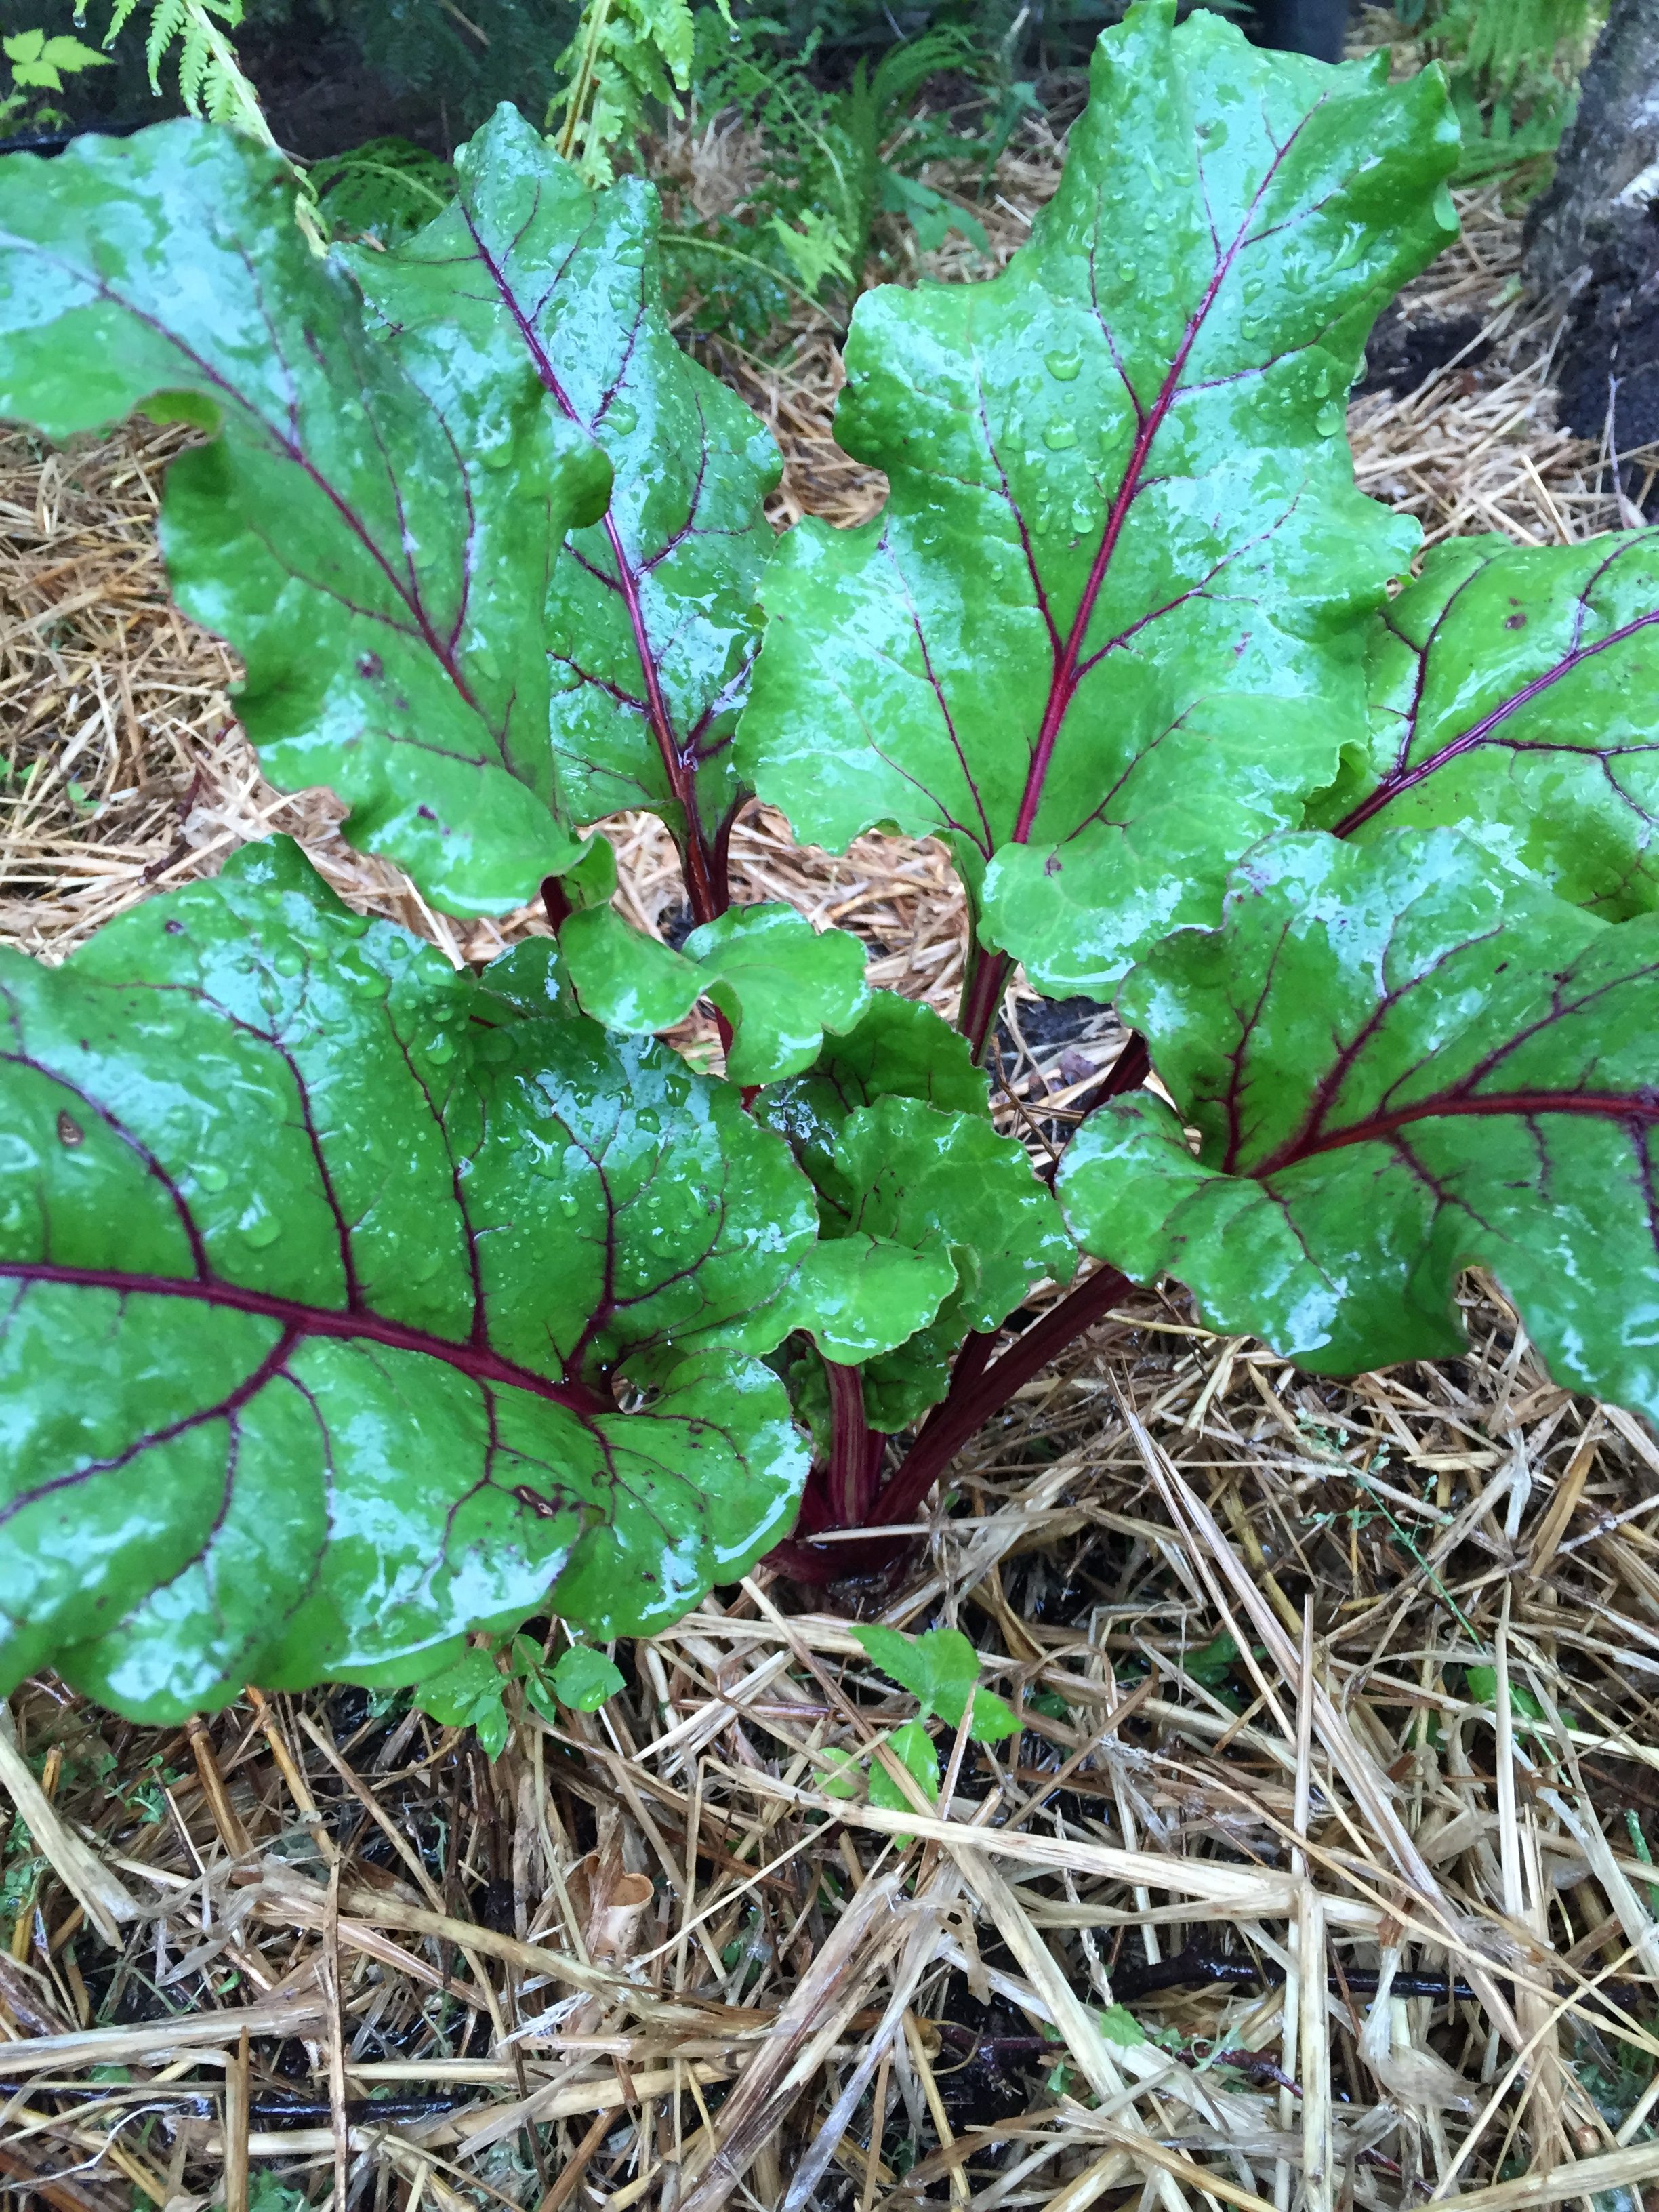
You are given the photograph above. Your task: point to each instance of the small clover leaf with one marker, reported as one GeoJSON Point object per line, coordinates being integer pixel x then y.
{"type": "Point", "coordinates": [912, 1747]}
{"type": "Point", "coordinates": [940, 1669]}
{"type": "Point", "coordinates": [1483, 1687]}
{"type": "Point", "coordinates": [838, 1776]}
{"type": "Point", "coordinates": [1211, 1663]}
{"type": "Point", "coordinates": [584, 1678]}
{"type": "Point", "coordinates": [1121, 2027]}
{"type": "Point", "coordinates": [468, 1694]}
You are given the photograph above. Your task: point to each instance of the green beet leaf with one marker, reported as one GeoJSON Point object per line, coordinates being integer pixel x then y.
{"type": "Point", "coordinates": [1512, 690]}
{"type": "Point", "coordinates": [861, 1295]}
{"type": "Point", "coordinates": [898, 1048]}
{"type": "Point", "coordinates": [1109, 628]}
{"type": "Point", "coordinates": [631, 982]}
{"type": "Point", "coordinates": [324, 1267]}
{"type": "Point", "coordinates": [937, 1219]}
{"type": "Point", "coordinates": [1401, 1060]}
{"type": "Point", "coordinates": [375, 533]}
{"type": "Point", "coordinates": [780, 983]}
{"type": "Point", "coordinates": [652, 621]}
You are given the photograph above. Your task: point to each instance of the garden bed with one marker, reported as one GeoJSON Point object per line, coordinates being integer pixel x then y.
{"type": "Point", "coordinates": [1325, 1685]}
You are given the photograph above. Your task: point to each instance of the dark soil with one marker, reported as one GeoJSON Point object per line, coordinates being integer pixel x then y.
{"type": "Point", "coordinates": [1402, 354]}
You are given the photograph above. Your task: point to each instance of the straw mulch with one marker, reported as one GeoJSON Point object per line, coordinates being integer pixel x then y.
{"type": "Point", "coordinates": [1318, 1876]}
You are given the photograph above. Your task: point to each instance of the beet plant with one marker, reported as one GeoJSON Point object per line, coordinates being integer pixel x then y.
{"type": "Point", "coordinates": [353, 1304]}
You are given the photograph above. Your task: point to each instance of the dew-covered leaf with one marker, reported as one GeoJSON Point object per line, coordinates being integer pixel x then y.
{"type": "Point", "coordinates": [373, 532]}
{"type": "Point", "coordinates": [1401, 1060]}
{"type": "Point", "coordinates": [468, 1694]}
{"type": "Point", "coordinates": [931, 1179]}
{"type": "Point", "coordinates": [1109, 630]}
{"type": "Point", "coordinates": [860, 1295]}
{"type": "Point", "coordinates": [1512, 691]}
{"type": "Point", "coordinates": [780, 983]}
{"type": "Point", "coordinates": [901, 1050]}
{"type": "Point", "coordinates": [898, 1048]}
{"type": "Point", "coordinates": [632, 983]}
{"type": "Point", "coordinates": [323, 1267]}
{"type": "Point", "coordinates": [651, 616]}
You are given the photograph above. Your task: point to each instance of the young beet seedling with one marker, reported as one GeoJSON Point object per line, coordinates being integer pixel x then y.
{"type": "Point", "coordinates": [354, 1303]}
{"type": "Point", "coordinates": [940, 1669]}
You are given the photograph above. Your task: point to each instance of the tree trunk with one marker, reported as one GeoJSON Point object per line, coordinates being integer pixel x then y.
{"type": "Point", "coordinates": [1593, 238]}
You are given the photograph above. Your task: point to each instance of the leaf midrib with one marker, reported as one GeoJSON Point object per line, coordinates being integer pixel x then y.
{"type": "Point", "coordinates": [1633, 1107]}
{"type": "Point", "coordinates": [1068, 676]}
{"type": "Point", "coordinates": [476, 1361]}
{"type": "Point", "coordinates": [679, 761]}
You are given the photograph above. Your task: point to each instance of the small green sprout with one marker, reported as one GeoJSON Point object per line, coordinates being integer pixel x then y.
{"type": "Point", "coordinates": [941, 1672]}
{"type": "Point", "coordinates": [472, 1693]}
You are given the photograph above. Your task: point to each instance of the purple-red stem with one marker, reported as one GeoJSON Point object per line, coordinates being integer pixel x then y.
{"type": "Point", "coordinates": [977, 1390]}
{"type": "Point", "coordinates": [853, 1465]}
{"type": "Point", "coordinates": [985, 984]}
{"type": "Point", "coordinates": [951, 1425]}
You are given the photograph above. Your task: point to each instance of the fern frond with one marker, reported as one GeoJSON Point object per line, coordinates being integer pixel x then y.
{"type": "Point", "coordinates": [626, 53]}
{"type": "Point", "coordinates": [816, 246]}
{"type": "Point", "coordinates": [165, 23]}
{"type": "Point", "coordinates": [211, 82]}
{"type": "Point", "coordinates": [119, 16]}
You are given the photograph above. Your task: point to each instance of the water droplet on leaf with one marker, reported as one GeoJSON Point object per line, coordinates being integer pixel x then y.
{"type": "Point", "coordinates": [1064, 366]}
{"type": "Point", "coordinates": [1059, 435]}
